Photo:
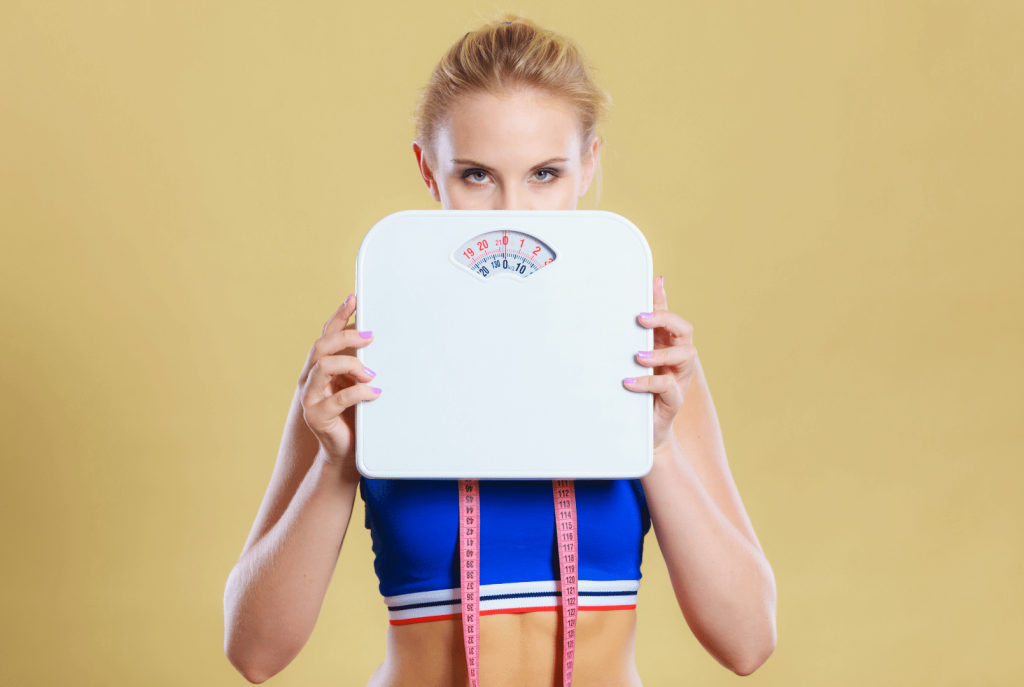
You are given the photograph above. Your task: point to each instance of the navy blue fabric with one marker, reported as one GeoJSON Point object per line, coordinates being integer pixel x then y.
{"type": "Point", "coordinates": [414, 525]}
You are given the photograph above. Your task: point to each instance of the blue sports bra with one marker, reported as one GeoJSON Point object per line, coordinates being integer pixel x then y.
{"type": "Point", "coordinates": [414, 525]}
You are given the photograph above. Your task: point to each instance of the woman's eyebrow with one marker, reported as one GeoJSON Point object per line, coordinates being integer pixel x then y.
{"type": "Point", "coordinates": [554, 159]}
{"type": "Point", "coordinates": [474, 163]}
{"type": "Point", "coordinates": [471, 163]}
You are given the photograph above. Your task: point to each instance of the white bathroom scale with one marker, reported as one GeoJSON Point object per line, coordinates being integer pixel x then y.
{"type": "Point", "coordinates": [500, 342]}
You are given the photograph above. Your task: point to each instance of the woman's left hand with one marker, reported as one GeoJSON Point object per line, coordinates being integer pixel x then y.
{"type": "Point", "coordinates": [673, 360]}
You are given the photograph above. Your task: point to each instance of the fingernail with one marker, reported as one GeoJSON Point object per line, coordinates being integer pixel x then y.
{"type": "Point", "coordinates": [646, 314]}
{"type": "Point", "coordinates": [370, 372]}
{"type": "Point", "coordinates": [645, 354]}
{"type": "Point", "coordinates": [629, 380]}
{"type": "Point", "coordinates": [374, 389]}
{"type": "Point", "coordinates": [661, 280]}
{"type": "Point", "coordinates": [367, 334]}
{"type": "Point", "coordinates": [347, 299]}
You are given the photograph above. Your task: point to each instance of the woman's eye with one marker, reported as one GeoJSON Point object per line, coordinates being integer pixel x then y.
{"type": "Point", "coordinates": [477, 176]}
{"type": "Point", "coordinates": [545, 174]}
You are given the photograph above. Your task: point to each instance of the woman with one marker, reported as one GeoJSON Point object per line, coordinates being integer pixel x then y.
{"type": "Point", "coordinates": [508, 121]}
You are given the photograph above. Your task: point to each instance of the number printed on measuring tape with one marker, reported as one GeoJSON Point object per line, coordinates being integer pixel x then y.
{"type": "Point", "coordinates": [565, 526]}
{"type": "Point", "coordinates": [469, 568]}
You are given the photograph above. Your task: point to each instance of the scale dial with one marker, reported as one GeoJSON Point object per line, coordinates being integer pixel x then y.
{"type": "Point", "coordinates": [506, 253]}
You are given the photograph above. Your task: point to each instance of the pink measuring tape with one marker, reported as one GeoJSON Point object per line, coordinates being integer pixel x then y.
{"type": "Point", "coordinates": [564, 492]}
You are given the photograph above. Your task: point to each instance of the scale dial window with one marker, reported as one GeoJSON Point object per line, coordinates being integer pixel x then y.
{"type": "Point", "coordinates": [504, 253]}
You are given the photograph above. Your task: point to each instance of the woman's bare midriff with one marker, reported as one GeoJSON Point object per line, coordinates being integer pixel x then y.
{"type": "Point", "coordinates": [516, 650]}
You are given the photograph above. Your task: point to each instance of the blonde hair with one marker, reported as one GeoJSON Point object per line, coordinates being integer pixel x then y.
{"type": "Point", "coordinates": [504, 54]}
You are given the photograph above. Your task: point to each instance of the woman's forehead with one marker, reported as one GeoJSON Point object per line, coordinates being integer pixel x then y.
{"type": "Point", "coordinates": [525, 126]}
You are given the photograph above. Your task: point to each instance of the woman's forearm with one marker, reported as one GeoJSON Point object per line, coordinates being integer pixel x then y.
{"type": "Point", "coordinates": [722, 581]}
{"type": "Point", "coordinates": [276, 589]}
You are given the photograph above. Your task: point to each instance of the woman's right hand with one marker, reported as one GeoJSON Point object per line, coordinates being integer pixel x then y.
{"type": "Point", "coordinates": [333, 381]}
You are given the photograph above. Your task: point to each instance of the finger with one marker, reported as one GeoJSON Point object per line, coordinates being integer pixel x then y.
{"type": "Point", "coordinates": [317, 385]}
{"type": "Point", "coordinates": [338, 341]}
{"type": "Point", "coordinates": [680, 330]}
{"type": "Point", "coordinates": [340, 317]}
{"type": "Point", "coordinates": [665, 385]}
{"type": "Point", "coordinates": [333, 365]}
{"type": "Point", "coordinates": [329, 344]}
{"type": "Point", "coordinates": [323, 415]}
{"type": "Point", "coordinates": [660, 300]}
{"type": "Point", "coordinates": [676, 356]}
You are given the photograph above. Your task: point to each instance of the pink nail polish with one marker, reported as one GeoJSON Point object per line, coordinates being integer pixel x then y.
{"type": "Point", "coordinates": [629, 380]}
{"type": "Point", "coordinates": [370, 372]}
{"type": "Point", "coordinates": [646, 354]}
{"type": "Point", "coordinates": [374, 389]}
{"type": "Point", "coordinates": [367, 334]}
{"type": "Point", "coordinates": [646, 314]}
{"type": "Point", "coordinates": [347, 299]}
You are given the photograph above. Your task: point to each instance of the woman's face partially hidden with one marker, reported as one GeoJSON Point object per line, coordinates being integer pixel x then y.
{"type": "Point", "coordinates": [516, 152]}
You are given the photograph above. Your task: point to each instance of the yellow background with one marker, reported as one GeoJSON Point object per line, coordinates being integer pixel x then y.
{"type": "Point", "coordinates": [833, 191]}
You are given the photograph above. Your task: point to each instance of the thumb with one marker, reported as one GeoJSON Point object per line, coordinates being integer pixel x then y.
{"type": "Point", "coordinates": [660, 302]}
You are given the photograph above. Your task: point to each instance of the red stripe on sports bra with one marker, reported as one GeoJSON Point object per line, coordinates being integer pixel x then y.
{"type": "Point", "coordinates": [607, 608]}
{"type": "Point", "coordinates": [501, 611]}
{"type": "Point", "coordinates": [532, 609]}
{"type": "Point", "coordinates": [409, 621]}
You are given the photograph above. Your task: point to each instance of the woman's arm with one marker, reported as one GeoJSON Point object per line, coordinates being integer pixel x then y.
{"type": "Point", "coordinates": [722, 580]}
{"type": "Point", "coordinates": [275, 591]}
